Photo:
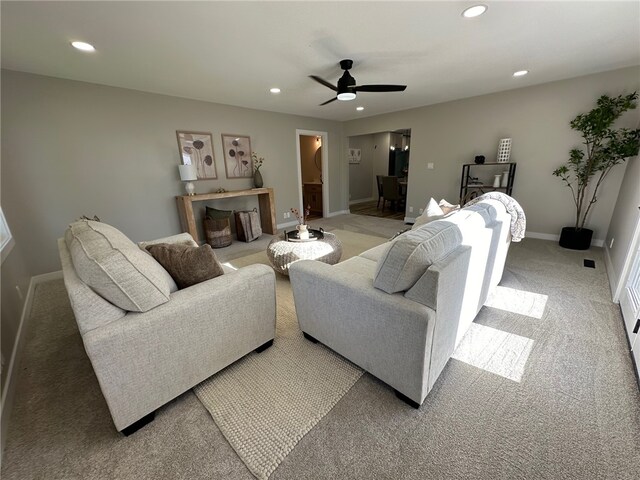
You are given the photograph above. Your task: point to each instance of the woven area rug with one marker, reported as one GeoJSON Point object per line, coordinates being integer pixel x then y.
{"type": "Point", "coordinates": [265, 403]}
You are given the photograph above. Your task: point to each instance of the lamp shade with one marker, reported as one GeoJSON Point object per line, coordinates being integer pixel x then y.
{"type": "Point", "coordinates": [187, 173]}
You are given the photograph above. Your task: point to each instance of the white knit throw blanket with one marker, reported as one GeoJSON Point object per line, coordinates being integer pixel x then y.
{"type": "Point", "coordinates": [518, 219]}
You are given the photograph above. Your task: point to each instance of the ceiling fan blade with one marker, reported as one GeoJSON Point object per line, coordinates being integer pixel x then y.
{"type": "Point", "coordinates": [379, 88]}
{"type": "Point", "coordinates": [324, 82]}
{"type": "Point", "coordinates": [329, 101]}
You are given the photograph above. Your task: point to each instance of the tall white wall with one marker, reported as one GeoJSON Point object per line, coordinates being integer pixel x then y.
{"type": "Point", "coordinates": [624, 221]}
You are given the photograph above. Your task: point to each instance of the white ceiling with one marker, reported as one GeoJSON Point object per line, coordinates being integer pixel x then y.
{"type": "Point", "coordinates": [233, 52]}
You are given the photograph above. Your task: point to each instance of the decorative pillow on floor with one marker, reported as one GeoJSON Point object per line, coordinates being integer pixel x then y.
{"type": "Point", "coordinates": [187, 264]}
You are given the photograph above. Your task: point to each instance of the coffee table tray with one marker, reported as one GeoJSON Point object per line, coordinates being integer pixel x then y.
{"type": "Point", "coordinates": [314, 235]}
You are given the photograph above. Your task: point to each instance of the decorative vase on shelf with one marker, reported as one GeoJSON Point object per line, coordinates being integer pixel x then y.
{"type": "Point", "coordinates": [303, 232]}
{"type": "Point", "coordinates": [257, 179]}
{"type": "Point", "coordinates": [505, 178]}
{"type": "Point", "coordinates": [496, 180]}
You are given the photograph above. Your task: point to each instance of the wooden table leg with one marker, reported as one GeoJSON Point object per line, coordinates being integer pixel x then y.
{"type": "Point", "coordinates": [267, 212]}
{"type": "Point", "coordinates": [187, 218]}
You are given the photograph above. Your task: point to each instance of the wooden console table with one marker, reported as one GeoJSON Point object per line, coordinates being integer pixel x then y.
{"type": "Point", "coordinates": [265, 201]}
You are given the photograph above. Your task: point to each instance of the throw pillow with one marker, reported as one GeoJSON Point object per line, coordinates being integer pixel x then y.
{"type": "Point", "coordinates": [431, 212]}
{"type": "Point", "coordinates": [216, 214]}
{"type": "Point", "coordinates": [187, 264]}
{"type": "Point", "coordinates": [447, 207]}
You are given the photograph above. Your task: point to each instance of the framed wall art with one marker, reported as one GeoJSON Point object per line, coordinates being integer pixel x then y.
{"type": "Point", "coordinates": [196, 148]}
{"type": "Point", "coordinates": [354, 155]}
{"type": "Point", "coordinates": [237, 156]}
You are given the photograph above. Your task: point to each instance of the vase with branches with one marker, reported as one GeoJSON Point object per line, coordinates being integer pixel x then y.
{"type": "Point", "coordinates": [604, 148]}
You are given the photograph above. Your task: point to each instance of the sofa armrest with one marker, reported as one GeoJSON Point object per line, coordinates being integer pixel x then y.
{"type": "Point", "coordinates": [386, 334]}
{"type": "Point", "coordinates": [145, 359]}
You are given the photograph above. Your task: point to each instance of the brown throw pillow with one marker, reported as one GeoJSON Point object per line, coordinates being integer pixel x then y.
{"type": "Point", "coordinates": [187, 264]}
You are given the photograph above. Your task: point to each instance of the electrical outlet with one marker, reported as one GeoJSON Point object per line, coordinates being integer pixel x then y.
{"type": "Point", "coordinates": [410, 209]}
{"type": "Point", "coordinates": [421, 210]}
{"type": "Point", "coordinates": [611, 243]}
{"type": "Point", "coordinates": [429, 166]}
{"type": "Point", "coordinates": [286, 214]}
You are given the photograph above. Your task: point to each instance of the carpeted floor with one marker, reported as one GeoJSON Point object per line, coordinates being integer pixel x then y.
{"type": "Point", "coordinates": [546, 391]}
{"type": "Point", "coordinates": [267, 402]}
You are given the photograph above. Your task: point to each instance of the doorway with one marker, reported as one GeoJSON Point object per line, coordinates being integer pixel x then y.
{"type": "Point", "coordinates": [373, 157]}
{"type": "Point", "coordinates": [630, 299]}
{"type": "Point", "coordinates": [312, 172]}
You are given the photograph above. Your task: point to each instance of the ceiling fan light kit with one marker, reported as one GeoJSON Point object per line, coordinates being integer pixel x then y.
{"type": "Point", "coordinates": [347, 89]}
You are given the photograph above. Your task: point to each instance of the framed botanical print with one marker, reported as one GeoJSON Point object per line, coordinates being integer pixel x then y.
{"type": "Point", "coordinates": [237, 155]}
{"type": "Point", "coordinates": [196, 148]}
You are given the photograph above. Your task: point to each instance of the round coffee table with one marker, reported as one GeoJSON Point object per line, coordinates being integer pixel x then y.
{"type": "Point", "coordinates": [282, 253]}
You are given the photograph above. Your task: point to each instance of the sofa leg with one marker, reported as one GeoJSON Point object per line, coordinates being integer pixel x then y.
{"type": "Point", "coordinates": [406, 399]}
{"type": "Point", "coordinates": [135, 426]}
{"type": "Point", "coordinates": [264, 346]}
{"type": "Point", "coordinates": [309, 337]}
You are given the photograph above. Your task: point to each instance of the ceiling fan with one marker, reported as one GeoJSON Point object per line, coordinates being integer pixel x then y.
{"type": "Point", "coordinates": [347, 88]}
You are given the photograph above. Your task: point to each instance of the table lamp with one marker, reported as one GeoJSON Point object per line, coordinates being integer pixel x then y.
{"type": "Point", "coordinates": [188, 174]}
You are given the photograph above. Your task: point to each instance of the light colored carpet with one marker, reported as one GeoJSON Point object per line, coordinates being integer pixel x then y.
{"type": "Point", "coordinates": [566, 407]}
{"type": "Point", "coordinates": [265, 403]}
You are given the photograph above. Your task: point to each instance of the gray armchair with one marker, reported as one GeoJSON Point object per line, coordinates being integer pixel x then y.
{"type": "Point", "coordinates": [145, 358]}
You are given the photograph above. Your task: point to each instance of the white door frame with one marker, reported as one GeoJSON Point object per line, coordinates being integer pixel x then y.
{"type": "Point", "coordinates": [325, 168]}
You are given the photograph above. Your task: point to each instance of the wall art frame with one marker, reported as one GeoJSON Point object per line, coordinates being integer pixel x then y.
{"type": "Point", "coordinates": [196, 148]}
{"type": "Point", "coordinates": [237, 156]}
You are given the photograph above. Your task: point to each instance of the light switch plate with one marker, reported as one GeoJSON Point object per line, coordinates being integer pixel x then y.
{"type": "Point", "coordinates": [429, 166]}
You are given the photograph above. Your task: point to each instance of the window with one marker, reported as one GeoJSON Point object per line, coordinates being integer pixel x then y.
{"type": "Point", "coordinates": [6, 240]}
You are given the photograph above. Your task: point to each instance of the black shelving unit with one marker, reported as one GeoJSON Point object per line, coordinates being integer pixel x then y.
{"type": "Point", "coordinates": [469, 190]}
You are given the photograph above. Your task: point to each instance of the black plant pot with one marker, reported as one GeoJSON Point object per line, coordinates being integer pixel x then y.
{"type": "Point", "coordinates": [576, 239]}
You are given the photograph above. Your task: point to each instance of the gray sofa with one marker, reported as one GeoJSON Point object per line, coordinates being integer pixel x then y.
{"type": "Point", "coordinates": [399, 310]}
{"type": "Point", "coordinates": [150, 342]}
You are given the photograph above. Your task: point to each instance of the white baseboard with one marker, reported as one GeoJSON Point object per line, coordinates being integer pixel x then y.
{"type": "Point", "coordinates": [361, 200]}
{"type": "Point", "coordinates": [596, 242]}
{"type": "Point", "coordinates": [6, 405]}
{"type": "Point", "coordinates": [339, 212]}
{"type": "Point", "coordinates": [611, 274]}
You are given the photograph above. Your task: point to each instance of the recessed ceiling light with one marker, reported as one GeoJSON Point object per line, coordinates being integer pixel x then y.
{"type": "Point", "coordinates": [474, 11]}
{"type": "Point", "coordinates": [275, 90]}
{"type": "Point", "coordinates": [84, 46]}
{"type": "Point", "coordinates": [359, 108]}
{"type": "Point", "coordinates": [520, 73]}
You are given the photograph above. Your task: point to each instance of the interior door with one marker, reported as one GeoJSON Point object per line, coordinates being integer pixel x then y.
{"type": "Point", "coordinates": [630, 305]}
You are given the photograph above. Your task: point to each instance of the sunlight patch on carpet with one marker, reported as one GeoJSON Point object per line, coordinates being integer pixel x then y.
{"type": "Point", "coordinates": [517, 301]}
{"type": "Point", "coordinates": [495, 351]}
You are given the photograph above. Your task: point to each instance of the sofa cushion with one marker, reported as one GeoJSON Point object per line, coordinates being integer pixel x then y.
{"type": "Point", "coordinates": [409, 256]}
{"type": "Point", "coordinates": [188, 265]}
{"type": "Point", "coordinates": [114, 267]}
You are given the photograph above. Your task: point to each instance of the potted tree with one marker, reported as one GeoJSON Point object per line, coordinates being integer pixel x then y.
{"type": "Point", "coordinates": [604, 148]}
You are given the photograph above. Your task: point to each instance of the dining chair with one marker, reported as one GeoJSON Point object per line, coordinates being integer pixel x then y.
{"type": "Point", "coordinates": [391, 190]}
{"type": "Point", "coordinates": [380, 196]}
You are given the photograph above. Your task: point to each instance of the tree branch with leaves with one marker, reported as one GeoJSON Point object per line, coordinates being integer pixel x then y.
{"type": "Point", "coordinates": [604, 148]}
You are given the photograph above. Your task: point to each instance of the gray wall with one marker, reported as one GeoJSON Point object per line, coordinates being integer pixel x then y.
{"type": "Point", "coordinates": [536, 118]}
{"type": "Point", "coordinates": [624, 220]}
{"type": "Point", "coordinates": [360, 183]}
{"type": "Point", "coordinates": [72, 148]}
